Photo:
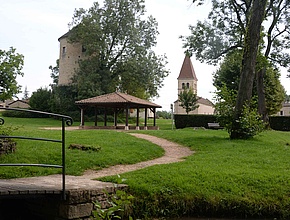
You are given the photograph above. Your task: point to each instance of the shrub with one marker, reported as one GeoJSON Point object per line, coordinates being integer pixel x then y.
{"type": "Point", "coordinates": [6, 144]}
{"type": "Point", "coordinates": [84, 147]}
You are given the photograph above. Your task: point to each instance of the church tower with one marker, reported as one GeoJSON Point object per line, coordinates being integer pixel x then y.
{"type": "Point", "coordinates": [187, 78]}
{"type": "Point", "coordinates": [69, 56]}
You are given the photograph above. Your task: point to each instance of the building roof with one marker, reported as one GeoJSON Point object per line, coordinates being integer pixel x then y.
{"type": "Point", "coordinates": [117, 99]}
{"type": "Point", "coordinates": [204, 101]}
{"type": "Point", "coordinates": [187, 70]}
{"type": "Point", "coordinates": [64, 36]}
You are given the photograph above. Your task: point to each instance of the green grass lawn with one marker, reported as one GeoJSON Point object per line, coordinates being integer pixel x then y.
{"type": "Point", "coordinates": [116, 148]}
{"type": "Point", "coordinates": [236, 178]}
{"type": "Point", "coordinates": [223, 178]}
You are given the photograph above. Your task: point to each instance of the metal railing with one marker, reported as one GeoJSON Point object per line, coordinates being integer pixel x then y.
{"type": "Point", "coordinates": [65, 120]}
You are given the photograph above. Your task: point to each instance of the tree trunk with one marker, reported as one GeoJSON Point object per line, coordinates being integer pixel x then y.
{"type": "Point", "coordinates": [249, 63]}
{"type": "Point", "coordinates": [261, 96]}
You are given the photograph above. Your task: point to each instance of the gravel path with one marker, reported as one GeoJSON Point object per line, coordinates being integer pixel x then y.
{"type": "Point", "coordinates": [173, 153]}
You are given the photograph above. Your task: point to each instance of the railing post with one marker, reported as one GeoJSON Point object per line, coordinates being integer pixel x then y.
{"type": "Point", "coordinates": [63, 158]}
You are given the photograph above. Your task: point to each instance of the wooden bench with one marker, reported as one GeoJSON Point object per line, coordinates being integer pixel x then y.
{"type": "Point", "coordinates": [214, 126]}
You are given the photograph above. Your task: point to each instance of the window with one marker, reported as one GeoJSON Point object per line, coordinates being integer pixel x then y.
{"type": "Point", "coordinates": [187, 85]}
{"type": "Point", "coordinates": [281, 113]}
{"type": "Point", "coordinates": [63, 50]}
{"type": "Point", "coordinates": [84, 49]}
{"type": "Point", "coordinates": [183, 86]}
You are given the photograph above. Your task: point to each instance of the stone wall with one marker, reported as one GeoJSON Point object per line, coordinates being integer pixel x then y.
{"type": "Point", "coordinates": [77, 206]}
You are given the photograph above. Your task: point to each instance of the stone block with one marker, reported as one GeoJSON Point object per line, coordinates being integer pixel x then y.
{"type": "Point", "coordinates": [76, 211]}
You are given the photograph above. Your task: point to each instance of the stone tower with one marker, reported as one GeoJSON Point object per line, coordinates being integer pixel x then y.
{"type": "Point", "coordinates": [69, 56]}
{"type": "Point", "coordinates": [187, 78]}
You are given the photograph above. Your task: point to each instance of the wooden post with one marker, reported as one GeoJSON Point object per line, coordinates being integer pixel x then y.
{"type": "Point", "coordinates": [145, 122]}
{"type": "Point", "coordinates": [137, 120]}
{"type": "Point", "coordinates": [96, 116]}
{"type": "Point", "coordinates": [82, 117]}
{"type": "Point", "coordinates": [154, 113]}
{"type": "Point", "coordinates": [115, 116]}
{"type": "Point", "coordinates": [127, 118]}
{"type": "Point", "coordinates": [105, 117]}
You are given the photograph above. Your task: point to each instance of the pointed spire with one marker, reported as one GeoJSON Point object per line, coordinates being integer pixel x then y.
{"type": "Point", "coordinates": [187, 70]}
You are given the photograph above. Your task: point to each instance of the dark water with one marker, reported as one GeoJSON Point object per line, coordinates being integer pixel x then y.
{"type": "Point", "coordinates": [224, 218]}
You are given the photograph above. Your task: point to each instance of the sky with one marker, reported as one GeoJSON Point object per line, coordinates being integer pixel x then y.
{"type": "Point", "coordinates": [34, 26]}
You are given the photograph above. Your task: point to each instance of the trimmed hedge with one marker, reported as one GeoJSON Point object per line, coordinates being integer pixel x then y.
{"type": "Point", "coordinates": [280, 123]}
{"type": "Point", "coordinates": [20, 114]}
{"type": "Point", "coordinates": [183, 121]}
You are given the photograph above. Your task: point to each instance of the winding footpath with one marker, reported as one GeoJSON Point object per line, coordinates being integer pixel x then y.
{"type": "Point", "coordinates": [173, 153]}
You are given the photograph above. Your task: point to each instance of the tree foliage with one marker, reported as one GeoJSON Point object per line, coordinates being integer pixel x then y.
{"type": "Point", "coordinates": [40, 100]}
{"type": "Point", "coordinates": [118, 44]}
{"type": "Point", "coordinates": [188, 100]}
{"type": "Point", "coordinates": [234, 24]}
{"type": "Point", "coordinates": [226, 27]}
{"type": "Point", "coordinates": [54, 72]}
{"type": "Point", "coordinates": [11, 64]}
{"type": "Point", "coordinates": [249, 120]}
{"type": "Point", "coordinates": [228, 75]}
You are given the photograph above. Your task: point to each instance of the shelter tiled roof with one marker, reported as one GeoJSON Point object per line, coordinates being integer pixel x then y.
{"type": "Point", "coordinates": [117, 99]}
{"type": "Point", "coordinates": [187, 70]}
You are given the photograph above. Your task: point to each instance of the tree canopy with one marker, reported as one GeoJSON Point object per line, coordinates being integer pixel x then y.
{"type": "Point", "coordinates": [228, 75]}
{"type": "Point", "coordinates": [226, 27]}
{"type": "Point", "coordinates": [188, 100]}
{"type": "Point", "coordinates": [259, 27]}
{"type": "Point", "coordinates": [118, 42]}
{"type": "Point", "coordinates": [11, 64]}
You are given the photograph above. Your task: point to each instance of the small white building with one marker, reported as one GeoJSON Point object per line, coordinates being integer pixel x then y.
{"type": "Point", "coordinates": [285, 110]}
{"type": "Point", "coordinates": [187, 79]}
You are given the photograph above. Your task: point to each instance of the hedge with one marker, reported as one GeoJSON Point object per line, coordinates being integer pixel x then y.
{"type": "Point", "coordinates": [280, 123]}
{"type": "Point", "coordinates": [182, 121]}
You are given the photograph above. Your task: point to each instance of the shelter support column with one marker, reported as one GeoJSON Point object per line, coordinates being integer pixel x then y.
{"type": "Point", "coordinates": [154, 114]}
{"type": "Point", "coordinates": [82, 117]}
{"type": "Point", "coordinates": [127, 118]}
{"type": "Point", "coordinates": [115, 116]}
{"type": "Point", "coordinates": [145, 119]}
{"type": "Point", "coordinates": [137, 119]}
{"type": "Point", "coordinates": [105, 117]}
{"type": "Point", "coordinates": [96, 116]}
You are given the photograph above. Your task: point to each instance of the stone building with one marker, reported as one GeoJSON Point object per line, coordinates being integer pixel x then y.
{"type": "Point", "coordinates": [187, 79]}
{"type": "Point", "coordinates": [285, 110]}
{"type": "Point", "coordinates": [69, 56]}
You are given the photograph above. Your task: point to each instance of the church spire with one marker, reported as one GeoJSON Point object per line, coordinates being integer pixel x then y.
{"type": "Point", "coordinates": [187, 70]}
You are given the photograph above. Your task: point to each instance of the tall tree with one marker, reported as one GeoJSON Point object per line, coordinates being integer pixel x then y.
{"type": "Point", "coordinates": [118, 41]}
{"type": "Point", "coordinates": [228, 75]}
{"type": "Point", "coordinates": [11, 64]}
{"type": "Point", "coordinates": [250, 52]}
{"type": "Point", "coordinates": [188, 100]}
{"type": "Point", "coordinates": [225, 30]}
{"type": "Point", "coordinates": [25, 94]}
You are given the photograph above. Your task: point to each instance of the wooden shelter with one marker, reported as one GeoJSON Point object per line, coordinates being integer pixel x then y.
{"type": "Point", "coordinates": [119, 101]}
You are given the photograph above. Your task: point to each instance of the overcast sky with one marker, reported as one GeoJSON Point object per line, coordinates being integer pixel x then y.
{"type": "Point", "coordinates": [33, 27]}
